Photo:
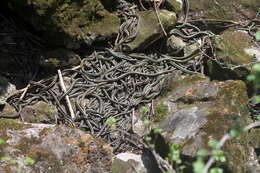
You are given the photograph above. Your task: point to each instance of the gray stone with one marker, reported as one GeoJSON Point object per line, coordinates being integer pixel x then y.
{"type": "Point", "coordinates": [39, 112]}
{"type": "Point", "coordinates": [137, 163]}
{"type": "Point", "coordinates": [6, 88]}
{"type": "Point", "coordinates": [200, 110]}
{"type": "Point", "coordinates": [7, 111]}
{"type": "Point", "coordinates": [53, 148]}
{"type": "Point", "coordinates": [150, 29]}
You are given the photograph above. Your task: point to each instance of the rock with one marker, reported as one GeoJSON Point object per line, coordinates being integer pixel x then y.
{"type": "Point", "coordinates": [221, 10]}
{"type": "Point", "coordinates": [7, 111]}
{"type": "Point", "coordinates": [128, 162]}
{"type": "Point", "coordinates": [138, 163]}
{"type": "Point", "coordinates": [52, 148]}
{"type": "Point", "coordinates": [6, 88]}
{"type": "Point", "coordinates": [68, 23]}
{"type": "Point", "coordinates": [234, 49]}
{"type": "Point", "coordinates": [39, 112]}
{"type": "Point", "coordinates": [199, 110]}
{"type": "Point", "coordinates": [254, 52]}
{"type": "Point", "coordinates": [175, 45]}
{"type": "Point", "coordinates": [174, 5]}
{"type": "Point", "coordinates": [150, 29]}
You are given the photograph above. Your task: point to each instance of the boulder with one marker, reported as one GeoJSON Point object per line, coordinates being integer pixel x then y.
{"type": "Point", "coordinates": [7, 111]}
{"type": "Point", "coordinates": [150, 29]}
{"type": "Point", "coordinates": [237, 52]}
{"type": "Point", "coordinates": [48, 148]}
{"type": "Point", "coordinates": [6, 88]}
{"type": "Point", "coordinates": [200, 110]}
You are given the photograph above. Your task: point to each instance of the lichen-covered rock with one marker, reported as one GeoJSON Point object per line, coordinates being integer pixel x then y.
{"type": "Point", "coordinates": [222, 10]}
{"type": "Point", "coordinates": [53, 148]}
{"type": "Point", "coordinates": [199, 110]}
{"type": "Point", "coordinates": [150, 29]}
{"type": "Point", "coordinates": [232, 51]}
{"type": "Point", "coordinates": [68, 22]}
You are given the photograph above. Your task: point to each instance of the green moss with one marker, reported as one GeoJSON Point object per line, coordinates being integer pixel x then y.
{"type": "Point", "coordinates": [68, 20]}
{"type": "Point", "coordinates": [160, 112]}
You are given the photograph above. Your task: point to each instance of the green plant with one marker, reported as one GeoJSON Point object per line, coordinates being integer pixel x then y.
{"type": "Point", "coordinates": [111, 122]}
{"type": "Point", "coordinates": [257, 35]}
{"type": "Point", "coordinates": [27, 160]}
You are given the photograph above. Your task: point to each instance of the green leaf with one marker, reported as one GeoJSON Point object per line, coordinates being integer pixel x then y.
{"type": "Point", "coordinates": [157, 131]}
{"type": "Point", "coordinates": [5, 158]}
{"type": "Point", "coordinates": [147, 138]}
{"type": "Point", "coordinates": [13, 162]}
{"type": "Point", "coordinates": [2, 141]}
{"type": "Point", "coordinates": [251, 77]}
{"type": "Point", "coordinates": [182, 167]}
{"type": "Point", "coordinates": [202, 153]}
{"type": "Point", "coordinates": [219, 155]}
{"type": "Point", "coordinates": [234, 133]}
{"type": "Point", "coordinates": [256, 67]}
{"type": "Point", "coordinates": [174, 154]}
{"type": "Point", "coordinates": [216, 170]}
{"type": "Point", "coordinates": [151, 145]}
{"type": "Point", "coordinates": [29, 160]}
{"type": "Point", "coordinates": [198, 166]}
{"type": "Point", "coordinates": [256, 99]}
{"type": "Point", "coordinates": [146, 122]}
{"type": "Point", "coordinates": [144, 109]}
{"type": "Point", "coordinates": [257, 35]}
{"type": "Point", "coordinates": [258, 117]}
{"type": "Point", "coordinates": [111, 121]}
{"type": "Point", "coordinates": [214, 144]}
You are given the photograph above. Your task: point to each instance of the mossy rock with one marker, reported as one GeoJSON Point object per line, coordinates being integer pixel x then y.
{"type": "Point", "coordinates": [150, 29]}
{"type": "Point", "coordinates": [231, 51]}
{"type": "Point", "coordinates": [68, 22]}
{"type": "Point", "coordinates": [222, 10]}
{"type": "Point", "coordinates": [200, 110]}
{"type": "Point", "coordinates": [39, 112]}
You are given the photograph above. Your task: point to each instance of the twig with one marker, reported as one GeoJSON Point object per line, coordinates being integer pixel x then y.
{"type": "Point", "coordinates": [24, 91]}
{"type": "Point", "coordinates": [66, 97]}
{"type": "Point", "coordinates": [222, 142]}
{"type": "Point", "coordinates": [156, 8]}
